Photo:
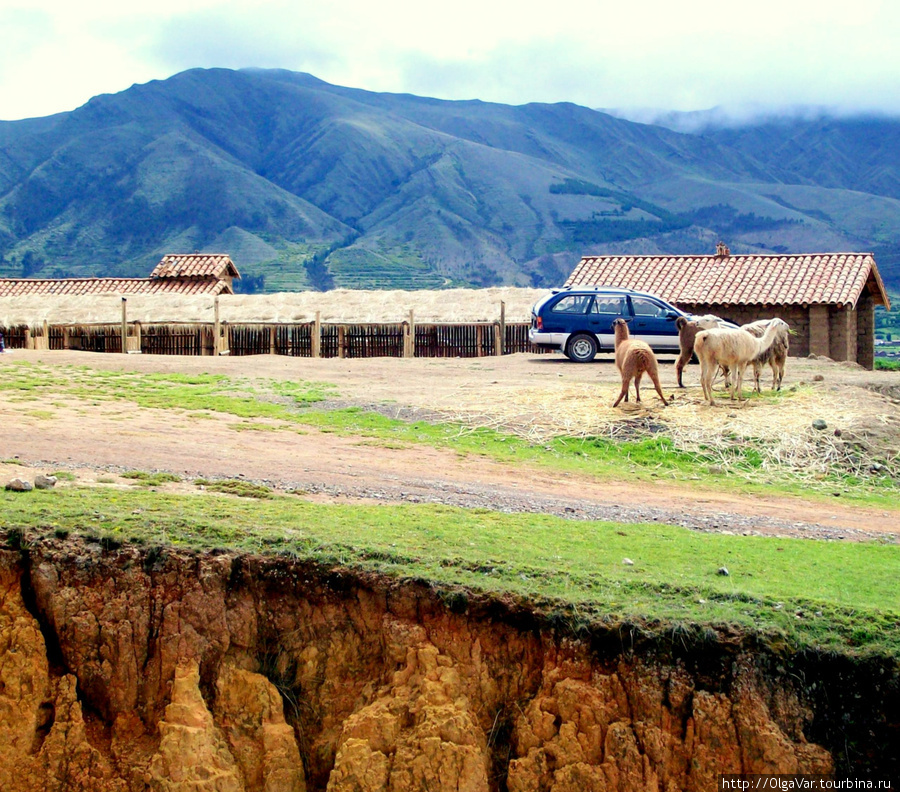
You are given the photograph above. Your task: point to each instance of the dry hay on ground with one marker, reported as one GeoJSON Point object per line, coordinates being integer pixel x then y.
{"type": "Point", "coordinates": [778, 429]}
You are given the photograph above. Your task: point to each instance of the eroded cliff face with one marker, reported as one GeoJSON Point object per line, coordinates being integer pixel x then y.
{"type": "Point", "coordinates": [148, 670]}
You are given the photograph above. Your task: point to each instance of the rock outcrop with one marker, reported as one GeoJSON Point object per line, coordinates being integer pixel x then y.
{"type": "Point", "coordinates": [143, 669]}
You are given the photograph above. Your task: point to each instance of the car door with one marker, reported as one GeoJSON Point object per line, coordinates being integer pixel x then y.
{"type": "Point", "coordinates": [653, 323]}
{"type": "Point", "coordinates": [567, 316]}
{"type": "Point", "coordinates": [605, 310]}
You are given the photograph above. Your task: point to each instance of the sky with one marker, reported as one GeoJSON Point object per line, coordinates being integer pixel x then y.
{"type": "Point", "coordinates": [636, 54]}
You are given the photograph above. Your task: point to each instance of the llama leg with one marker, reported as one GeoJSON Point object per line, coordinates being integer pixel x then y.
{"type": "Point", "coordinates": [655, 377]}
{"type": "Point", "coordinates": [706, 375]}
{"type": "Point", "coordinates": [682, 361]}
{"type": "Point", "coordinates": [757, 372]}
{"type": "Point", "coordinates": [637, 386]}
{"type": "Point", "coordinates": [624, 391]}
{"type": "Point", "coordinates": [726, 373]}
{"type": "Point", "coordinates": [738, 384]}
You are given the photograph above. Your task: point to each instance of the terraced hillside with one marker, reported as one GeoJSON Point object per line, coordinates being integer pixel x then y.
{"type": "Point", "coordinates": [311, 185]}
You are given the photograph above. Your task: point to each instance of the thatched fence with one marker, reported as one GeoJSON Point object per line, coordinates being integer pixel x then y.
{"type": "Point", "coordinates": [295, 339]}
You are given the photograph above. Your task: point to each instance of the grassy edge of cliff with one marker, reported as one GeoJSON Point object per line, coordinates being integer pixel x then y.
{"type": "Point", "coordinates": [792, 593]}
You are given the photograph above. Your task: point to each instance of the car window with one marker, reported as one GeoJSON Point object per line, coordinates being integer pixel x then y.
{"type": "Point", "coordinates": [573, 304]}
{"type": "Point", "coordinates": [644, 307]}
{"type": "Point", "coordinates": [604, 304]}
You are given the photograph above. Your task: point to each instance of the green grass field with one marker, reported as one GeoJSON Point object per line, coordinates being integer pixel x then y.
{"type": "Point", "coordinates": [829, 595]}
{"type": "Point", "coordinates": [793, 592]}
{"type": "Point", "coordinates": [271, 405]}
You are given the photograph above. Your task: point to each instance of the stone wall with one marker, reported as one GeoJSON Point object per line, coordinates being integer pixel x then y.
{"type": "Point", "coordinates": [865, 331]}
{"type": "Point", "coordinates": [842, 322]}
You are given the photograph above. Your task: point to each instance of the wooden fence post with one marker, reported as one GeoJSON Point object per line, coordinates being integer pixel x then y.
{"type": "Point", "coordinates": [272, 340]}
{"type": "Point", "coordinates": [217, 328]}
{"type": "Point", "coordinates": [498, 339]}
{"type": "Point", "coordinates": [341, 334]}
{"type": "Point", "coordinates": [502, 344]}
{"type": "Point", "coordinates": [137, 336]}
{"type": "Point", "coordinates": [409, 343]}
{"type": "Point", "coordinates": [315, 342]}
{"type": "Point", "coordinates": [124, 326]}
{"type": "Point", "coordinates": [29, 341]}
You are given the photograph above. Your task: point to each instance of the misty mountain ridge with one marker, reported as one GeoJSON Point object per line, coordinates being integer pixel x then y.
{"type": "Point", "coordinates": [312, 185]}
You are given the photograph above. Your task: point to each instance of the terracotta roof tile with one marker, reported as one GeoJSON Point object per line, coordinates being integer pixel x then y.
{"type": "Point", "coordinates": [15, 287]}
{"type": "Point", "coordinates": [195, 265]}
{"type": "Point", "coordinates": [831, 278]}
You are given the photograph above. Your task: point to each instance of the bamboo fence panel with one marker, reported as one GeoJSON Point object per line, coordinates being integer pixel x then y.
{"type": "Point", "coordinates": [177, 339]}
{"type": "Point", "coordinates": [294, 340]}
{"type": "Point", "coordinates": [373, 340]}
{"type": "Point", "coordinates": [362, 340]}
{"type": "Point", "coordinates": [454, 340]}
{"type": "Point", "coordinates": [517, 339]}
{"type": "Point", "coordinates": [14, 337]}
{"type": "Point", "coordinates": [88, 338]}
{"type": "Point", "coordinates": [249, 339]}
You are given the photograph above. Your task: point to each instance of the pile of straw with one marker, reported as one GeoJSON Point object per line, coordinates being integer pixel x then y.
{"type": "Point", "coordinates": [780, 432]}
{"type": "Point", "coordinates": [337, 306]}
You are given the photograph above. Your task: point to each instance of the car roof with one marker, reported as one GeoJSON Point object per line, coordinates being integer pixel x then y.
{"type": "Point", "coordinates": [604, 290]}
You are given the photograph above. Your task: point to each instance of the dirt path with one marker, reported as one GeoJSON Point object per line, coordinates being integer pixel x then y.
{"type": "Point", "coordinates": [99, 439]}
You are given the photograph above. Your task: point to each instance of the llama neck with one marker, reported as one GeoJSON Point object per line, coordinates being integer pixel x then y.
{"type": "Point", "coordinates": [768, 338]}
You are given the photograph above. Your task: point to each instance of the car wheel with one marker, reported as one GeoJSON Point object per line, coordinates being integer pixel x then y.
{"type": "Point", "coordinates": [581, 348]}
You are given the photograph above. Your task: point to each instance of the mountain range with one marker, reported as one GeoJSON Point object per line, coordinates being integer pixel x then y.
{"type": "Point", "coordinates": [309, 185]}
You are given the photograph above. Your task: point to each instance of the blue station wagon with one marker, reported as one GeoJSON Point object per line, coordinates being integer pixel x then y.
{"type": "Point", "coordinates": [578, 321]}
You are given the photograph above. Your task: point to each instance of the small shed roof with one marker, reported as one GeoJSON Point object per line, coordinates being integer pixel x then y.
{"type": "Point", "coordinates": [195, 265]}
{"type": "Point", "coordinates": [724, 279]}
{"type": "Point", "coordinates": [17, 287]}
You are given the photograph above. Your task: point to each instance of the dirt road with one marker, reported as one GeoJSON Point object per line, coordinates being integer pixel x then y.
{"type": "Point", "coordinates": [533, 395]}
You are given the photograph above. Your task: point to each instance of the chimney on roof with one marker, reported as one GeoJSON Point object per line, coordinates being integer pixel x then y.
{"type": "Point", "coordinates": [722, 250]}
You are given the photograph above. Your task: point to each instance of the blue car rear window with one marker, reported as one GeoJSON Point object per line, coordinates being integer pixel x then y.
{"type": "Point", "coordinates": [609, 305]}
{"type": "Point", "coordinates": [573, 304]}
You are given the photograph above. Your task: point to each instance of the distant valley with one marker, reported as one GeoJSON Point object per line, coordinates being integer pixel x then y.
{"type": "Point", "coordinates": [313, 186]}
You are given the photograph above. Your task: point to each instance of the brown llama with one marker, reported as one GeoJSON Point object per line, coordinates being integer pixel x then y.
{"type": "Point", "coordinates": [687, 332]}
{"type": "Point", "coordinates": [633, 359]}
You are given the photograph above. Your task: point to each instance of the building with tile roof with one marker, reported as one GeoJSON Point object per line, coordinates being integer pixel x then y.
{"type": "Point", "coordinates": [196, 273]}
{"type": "Point", "coordinates": [829, 299]}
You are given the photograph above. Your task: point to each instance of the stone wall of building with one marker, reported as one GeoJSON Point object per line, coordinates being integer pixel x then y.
{"type": "Point", "coordinates": [865, 331]}
{"type": "Point", "coordinates": [842, 321]}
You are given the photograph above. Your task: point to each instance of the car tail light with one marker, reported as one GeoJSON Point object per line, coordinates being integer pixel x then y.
{"type": "Point", "coordinates": [539, 323]}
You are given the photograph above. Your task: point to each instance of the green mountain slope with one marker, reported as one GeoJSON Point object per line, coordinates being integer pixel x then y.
{"type": "Point", "coordinates": [310, 185]}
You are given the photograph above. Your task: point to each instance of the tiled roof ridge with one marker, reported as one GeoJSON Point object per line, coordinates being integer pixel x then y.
{"type": "Point", "coordinates": [836, 278]}
{"type": "Point", "coordinates": [68, 280]}
{"type": "Point", "coordinates": [729, 256]}
{"type": "Point", "coordinates": [195, 265]}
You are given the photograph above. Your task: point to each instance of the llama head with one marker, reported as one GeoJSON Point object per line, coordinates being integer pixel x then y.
{"type": "Point", "coordinates": [708, 322]}
{"type": "Point", "coordinates": [620, 328]}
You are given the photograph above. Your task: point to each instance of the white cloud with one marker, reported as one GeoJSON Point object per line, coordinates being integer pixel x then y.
{"type": "Point", "coordinates": [688, 55]}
